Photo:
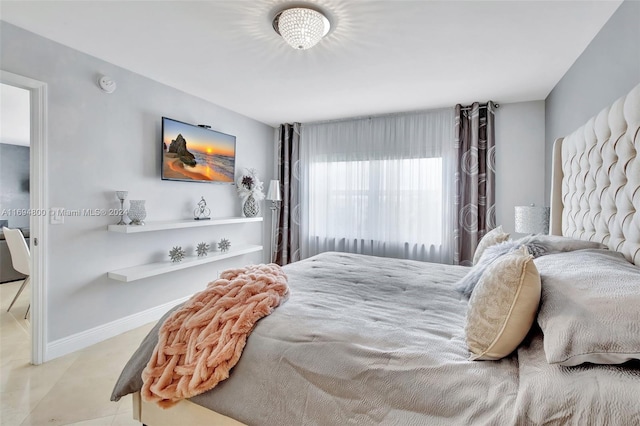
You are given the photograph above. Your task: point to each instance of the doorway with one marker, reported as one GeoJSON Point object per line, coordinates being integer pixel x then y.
{"type": "Point", "coordinates": [15, 293]}
{"type": "Point", "coordinates": [38, 206]}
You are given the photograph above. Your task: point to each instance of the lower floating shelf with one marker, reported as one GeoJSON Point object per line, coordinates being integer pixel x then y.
{"type": "Point", "coordinates": [152, 269]}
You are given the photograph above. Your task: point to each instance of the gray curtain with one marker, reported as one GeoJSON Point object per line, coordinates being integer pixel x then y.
{"type": "Point", "coordinates": [475, 178]}
{"type": "Point", "coordinates": [288, 226]}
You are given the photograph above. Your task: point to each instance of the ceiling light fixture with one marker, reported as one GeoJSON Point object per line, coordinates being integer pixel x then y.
{"type": "Point", "coordinates": [301, 27]}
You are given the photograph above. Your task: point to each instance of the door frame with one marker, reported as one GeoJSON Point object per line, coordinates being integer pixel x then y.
{"type": "Point", "coordinates": [38, 196]}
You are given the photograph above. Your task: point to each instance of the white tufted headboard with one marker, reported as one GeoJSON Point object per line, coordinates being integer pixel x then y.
{"type": "Point", "coordinates": [596, 179]}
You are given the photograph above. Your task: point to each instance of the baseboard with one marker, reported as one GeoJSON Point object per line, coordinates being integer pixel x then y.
{"type": "Point", "coordinates": [86, 338]}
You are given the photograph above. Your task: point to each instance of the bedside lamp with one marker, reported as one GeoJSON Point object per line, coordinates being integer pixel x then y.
{"type": "Point", "coordinates": [532, 219]}
{"type": "Point", "coordinates": [275, 196]}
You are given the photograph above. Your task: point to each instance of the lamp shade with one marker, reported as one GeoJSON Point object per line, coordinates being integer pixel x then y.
{"type": "Point", "coordinates": [532, 219]}
{"type": "Point", "coordinates": [274, 194]}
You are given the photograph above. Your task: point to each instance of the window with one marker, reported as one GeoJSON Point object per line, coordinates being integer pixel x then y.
{"type": "Point", "coordinates": [378, 186]}
{"type": "Point", "coordinates": [397, 201]}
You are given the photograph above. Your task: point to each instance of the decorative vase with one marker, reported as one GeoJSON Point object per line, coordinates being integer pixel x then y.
{"type": "Point", "coordinates": [251, 208]}
{"type": "Point", "coordinates": [137, 212]}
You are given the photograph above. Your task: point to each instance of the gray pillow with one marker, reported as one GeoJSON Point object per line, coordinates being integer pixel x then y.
{"type": "Point", "coordinates": [540, 245]}
{"type": "Point", "coordinates": [590, 307]}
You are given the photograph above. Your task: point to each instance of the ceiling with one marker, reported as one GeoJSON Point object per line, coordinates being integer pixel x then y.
{"type": "Point", "coordinates": [380, 56]}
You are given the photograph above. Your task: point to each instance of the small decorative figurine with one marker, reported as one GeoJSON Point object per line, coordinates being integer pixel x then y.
{"type": "Point", "coordinates": [176, 254]}
{"type": "Point", "coordinates": [249, 189]}
{"type": "Point", "coordinates": [224, 244]}
{"type": "Point", "coordinates": [202, 249]}
{"type": "Point", "coordinates": [202, 212]}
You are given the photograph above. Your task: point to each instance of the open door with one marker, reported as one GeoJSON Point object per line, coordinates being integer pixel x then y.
{"type": "Point", "coordinates": [38, 203]}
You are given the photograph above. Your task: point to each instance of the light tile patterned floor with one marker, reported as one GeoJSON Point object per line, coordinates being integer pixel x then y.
{"type": "Point", "coordinates": [71, 390]}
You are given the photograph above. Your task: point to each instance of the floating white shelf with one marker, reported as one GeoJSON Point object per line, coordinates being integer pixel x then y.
{"type": "Point", "coordinates": [179, 224]}
{"type": "Point", "coordinates": [152, 269]}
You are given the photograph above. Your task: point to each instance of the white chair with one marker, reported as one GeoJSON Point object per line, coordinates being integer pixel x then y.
{"type": "Point", "coordinates": [20, 258]}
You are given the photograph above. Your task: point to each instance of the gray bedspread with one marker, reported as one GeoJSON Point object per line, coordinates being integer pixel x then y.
{"type": "Point", "coordinates": [367, 340]}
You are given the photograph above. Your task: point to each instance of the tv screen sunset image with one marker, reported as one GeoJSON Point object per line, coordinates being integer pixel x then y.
{"type": "Point", "coordinates": [195, 153]}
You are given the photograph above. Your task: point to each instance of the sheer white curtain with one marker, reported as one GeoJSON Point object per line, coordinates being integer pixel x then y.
{"type": "Point", "coordinates": [379, 186]}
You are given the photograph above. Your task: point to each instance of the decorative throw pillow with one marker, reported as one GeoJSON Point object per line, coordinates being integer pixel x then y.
{"type": "Point", "coordinates": [503, 306]}
{"type": "Point", "coordinates": [590, 308]}
{"type": "Point", "coordinates": [490, 255]}
{"type": "Point", "coordinates": [495, 236]}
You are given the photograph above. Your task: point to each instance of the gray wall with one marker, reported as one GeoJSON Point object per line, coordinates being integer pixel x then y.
{"type": "Point", "coordinates": [519, 159]}
{"type": "Point", "coordinates": [99, 143]}
{"type": "Point", "coordinates": [14, 183]}
{"type": "Point", "coordinates": [608, 69]}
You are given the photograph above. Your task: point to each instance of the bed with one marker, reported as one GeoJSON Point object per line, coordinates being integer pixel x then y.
{"type": "Point", "coordinates": [366, 340]}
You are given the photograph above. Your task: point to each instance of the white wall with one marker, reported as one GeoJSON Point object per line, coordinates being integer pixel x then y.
{"type": "Point", "coordinates": [607, 70]}
{"type": "Point", "coordinates": [99, 143]}
{"type": "Point", "coordinates": [15, 118]}
{"type": "Point", "coordinates": [520, 159]}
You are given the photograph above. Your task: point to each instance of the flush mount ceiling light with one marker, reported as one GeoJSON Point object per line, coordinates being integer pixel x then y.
{"type": "Point", "coordinates": [301, 27]}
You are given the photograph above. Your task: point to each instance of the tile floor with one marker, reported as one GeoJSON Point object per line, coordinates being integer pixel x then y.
{"type": "Point", "coordinates": [70, 390]}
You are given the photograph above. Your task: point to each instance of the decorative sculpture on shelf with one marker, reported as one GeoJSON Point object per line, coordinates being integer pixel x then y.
{"type": "Point", "coordinates": [137, 212]}
{"type": "Point", "coordinates": [202, 249]}
{"type": "Point", "coordinates": [249, 189]}
{"type": "Point", "coordinates": [224, 244]}
{"type": "Point", "coordinates": [122, 195]}
{"type": "Point", "coordinates": [202, 212]}
{"type": "Point", "coordinates": [176, 254]}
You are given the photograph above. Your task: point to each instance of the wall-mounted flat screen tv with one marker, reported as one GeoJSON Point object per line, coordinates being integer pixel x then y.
{"type": "Point", "coordinates": [196, 154]}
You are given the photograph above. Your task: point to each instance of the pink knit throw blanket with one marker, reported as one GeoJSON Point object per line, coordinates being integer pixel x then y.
{"type": "Point", "coordinates": [201, 341]}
